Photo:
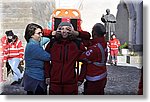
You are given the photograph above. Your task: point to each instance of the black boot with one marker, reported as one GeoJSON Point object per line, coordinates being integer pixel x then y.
{"type": "Point", "coordinates": [14, 83]}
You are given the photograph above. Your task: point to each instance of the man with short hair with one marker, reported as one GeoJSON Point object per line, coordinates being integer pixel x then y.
{"type": "Point", "coordinates": [96, 55]}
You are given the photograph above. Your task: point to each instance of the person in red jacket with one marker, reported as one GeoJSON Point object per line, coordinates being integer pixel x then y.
{"type": "Point", "coordinates": [65, 50]}
{"type": "Point", "coordinates": [95, 72]}
{"type": "Point", "coordinates": [13, 53]}
{"type": "Point", "coordinates": [114, 44]}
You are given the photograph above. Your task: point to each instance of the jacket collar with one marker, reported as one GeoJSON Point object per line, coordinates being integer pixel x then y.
{"type": "Point", "coordinates": [31, 40]}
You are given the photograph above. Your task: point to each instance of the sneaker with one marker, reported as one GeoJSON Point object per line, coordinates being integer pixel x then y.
{"type": "Point", "coordinates": [14, 83]}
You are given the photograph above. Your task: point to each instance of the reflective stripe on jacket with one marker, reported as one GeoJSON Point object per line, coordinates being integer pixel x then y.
{"type": "Point", "coordinates": [13, 50]}
{"type": "Point", "coordinates": [96, 78]}
{"type": "Point", "coordinates": [96, 57]}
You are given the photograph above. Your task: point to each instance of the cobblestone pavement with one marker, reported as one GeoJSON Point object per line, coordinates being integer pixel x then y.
{"type": "Point", "coordinates": [122, 80]}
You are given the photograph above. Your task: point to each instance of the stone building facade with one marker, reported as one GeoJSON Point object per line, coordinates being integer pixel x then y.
{"type": "Point", "coordinates": [129, 26]}
{"type": "Point", "coordinates": [15, 15]}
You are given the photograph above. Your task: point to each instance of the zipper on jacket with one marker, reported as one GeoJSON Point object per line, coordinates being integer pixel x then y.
{"type": "Point", "coordinates": [66, 52]}
{"type": "Point", "coordinates": [63, 58]}
{"type": "Point", "coordinates": [61, 53]}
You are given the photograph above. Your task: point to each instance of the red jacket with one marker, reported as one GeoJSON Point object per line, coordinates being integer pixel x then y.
{"type": "Point", "coordinates": [12, 49]}
{"type": "Point", "coordinates": [96, 56]}
{"type": "Point", "coordinates": [114, 44]}
{"type": "Point", "coordinates": [64, 55]}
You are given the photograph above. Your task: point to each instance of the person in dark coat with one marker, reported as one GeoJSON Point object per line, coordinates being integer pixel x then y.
{"type": "Point", "coordinates": [65, 50]}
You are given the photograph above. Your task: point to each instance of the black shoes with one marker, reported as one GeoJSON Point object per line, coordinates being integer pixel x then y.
{"type": "Point", "coordinates": [14, 83]}
{"type": "Point", "coordinates": [17, 82]}
{"type": "Point", "coordinates": [114, 64]}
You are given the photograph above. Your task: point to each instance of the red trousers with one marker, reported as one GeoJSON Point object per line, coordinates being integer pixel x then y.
{"type": "Point", "coordinates": [95, 87]}
{"type": "Point", "coordinates": [114, 52]}
{"type": "Point", "coordinates": [56, 89]}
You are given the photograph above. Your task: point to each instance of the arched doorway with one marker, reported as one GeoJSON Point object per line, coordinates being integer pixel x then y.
{"type": "Point", "coordinates": [122, 24]}
{"type": "Point", "coordinates": [126, 23]}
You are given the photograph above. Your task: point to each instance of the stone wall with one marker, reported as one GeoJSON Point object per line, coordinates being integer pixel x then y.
{"type": "Point", "coordinates": [15, 16]}
{"type": "Point", "coordinates": [129, 26]}
{"type": "Point", "coordinates": [42, 11]}
{"type": "Point", "coordinates": [122, 24]}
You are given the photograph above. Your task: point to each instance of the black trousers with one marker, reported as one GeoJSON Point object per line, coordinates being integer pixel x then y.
{"type": "Point", "coordinates": [39, 91]}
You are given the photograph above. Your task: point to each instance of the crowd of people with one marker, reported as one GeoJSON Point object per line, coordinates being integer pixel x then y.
{"type": "Point", "coordinates": [57, 65]}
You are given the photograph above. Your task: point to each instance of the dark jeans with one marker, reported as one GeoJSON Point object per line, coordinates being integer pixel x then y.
{"type": "Point", "coordinates": [39, 91]}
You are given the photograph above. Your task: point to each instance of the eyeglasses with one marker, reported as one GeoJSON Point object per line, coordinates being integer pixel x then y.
{"type": "Point", "coordinates": [39, 33]}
